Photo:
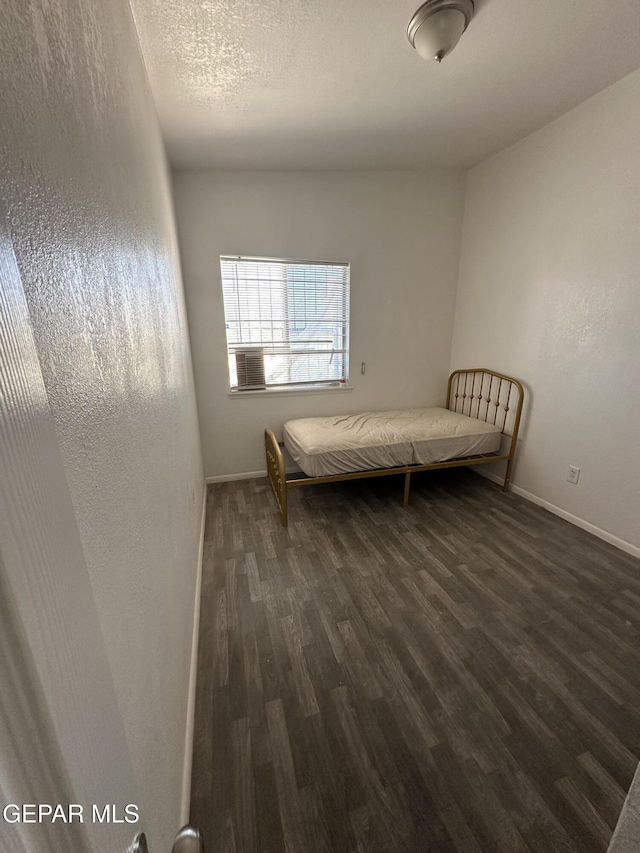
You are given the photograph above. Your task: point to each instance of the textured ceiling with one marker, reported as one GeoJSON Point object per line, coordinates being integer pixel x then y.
{"type": "Point", "coordinates": [290, 84]}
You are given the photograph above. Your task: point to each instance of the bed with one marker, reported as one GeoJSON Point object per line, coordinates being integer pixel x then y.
{"type": "Point", "coordinates": [478, 425]}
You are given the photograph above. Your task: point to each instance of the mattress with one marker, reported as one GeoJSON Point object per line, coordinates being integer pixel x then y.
{"type": "Point", "coordinates": [346, 443]}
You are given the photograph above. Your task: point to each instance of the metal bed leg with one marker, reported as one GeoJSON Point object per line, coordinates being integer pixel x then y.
{"type": "Point", "coordinates": [407, 486]}
{"type": "Point", "coordinates": [507, 476]}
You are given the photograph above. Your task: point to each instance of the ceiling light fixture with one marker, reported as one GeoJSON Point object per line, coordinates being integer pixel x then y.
{"type": "Point", "coordinates": [436, 27]}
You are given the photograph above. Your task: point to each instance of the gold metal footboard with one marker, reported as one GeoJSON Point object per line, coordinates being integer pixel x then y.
{"type": "Point", "coordinates": [277, 473]}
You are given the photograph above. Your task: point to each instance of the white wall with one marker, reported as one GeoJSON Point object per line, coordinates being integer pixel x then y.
{"type": "Point", "coordinates": [85, 183]}
{"type": "Point", "coordinates": [549, 291]}
{"type": "Point", "coordinates": [400, 233]}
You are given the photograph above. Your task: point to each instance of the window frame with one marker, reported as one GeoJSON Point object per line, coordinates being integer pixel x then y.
{"type": "Point", "coordinates": [344, 319]}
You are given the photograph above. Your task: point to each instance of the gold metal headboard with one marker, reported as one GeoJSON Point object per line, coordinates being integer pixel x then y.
{"type": "Point", "coordinates": [487, 396]}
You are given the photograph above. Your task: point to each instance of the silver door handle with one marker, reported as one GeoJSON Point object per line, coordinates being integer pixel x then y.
{"type": "Point", "coordinates": [188, 840]}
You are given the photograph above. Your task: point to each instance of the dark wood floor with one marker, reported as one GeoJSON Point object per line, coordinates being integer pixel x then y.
{"type": "Point", "coordinates": [462, 675]}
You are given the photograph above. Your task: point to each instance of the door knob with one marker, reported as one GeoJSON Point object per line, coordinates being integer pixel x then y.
{"type": "Point", "coordinates": [188, 840]}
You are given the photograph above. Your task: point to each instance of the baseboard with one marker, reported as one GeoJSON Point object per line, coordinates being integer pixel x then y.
{"type": "Point", "coordinates": [228, 478]}
{"type": "Point", "coordinates": [247, 475]}
{"type": "Point", "coordinates": [185, 805]}
{"type": "Point", "coordinates": [627, 547]}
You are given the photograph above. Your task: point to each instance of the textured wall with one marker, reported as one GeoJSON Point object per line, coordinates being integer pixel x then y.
{"type": "Point", "coordinates": [61, 734]}
{"type": "Point", "coordinates": [549, 292]}
{"type": "Point", "coordinates": [84, 181]}
{"type": "Point", "coordinates": [399, 231]}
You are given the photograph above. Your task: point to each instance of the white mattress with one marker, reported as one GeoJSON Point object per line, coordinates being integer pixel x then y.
{"type": "Point", "coordinates": [345, 443]}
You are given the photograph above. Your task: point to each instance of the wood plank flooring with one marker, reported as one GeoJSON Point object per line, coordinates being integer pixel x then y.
{"type": "Point", "coordinates": [462, 675]}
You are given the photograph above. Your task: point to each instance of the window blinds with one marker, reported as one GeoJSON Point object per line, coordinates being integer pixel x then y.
{"type": "Point", "coordinates": [287, 321]}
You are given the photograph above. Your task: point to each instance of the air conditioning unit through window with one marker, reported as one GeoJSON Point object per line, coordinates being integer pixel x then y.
{"type": "Point", "coordinates": [250, 369]}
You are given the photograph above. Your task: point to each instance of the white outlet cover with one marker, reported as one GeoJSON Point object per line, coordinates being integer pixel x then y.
{"type": "Point", "coordinates": [573, 475]}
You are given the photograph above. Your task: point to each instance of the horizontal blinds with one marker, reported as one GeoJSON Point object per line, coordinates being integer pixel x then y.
{"type": "Point", "coordinates": [286, 321]}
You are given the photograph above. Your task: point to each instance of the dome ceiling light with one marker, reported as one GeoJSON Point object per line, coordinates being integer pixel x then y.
{"type": "Point", "coordinates": [436, 27]}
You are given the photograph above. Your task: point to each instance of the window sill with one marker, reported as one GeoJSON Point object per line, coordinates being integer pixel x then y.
{"type": "Point", "coordinates": [293, 389]}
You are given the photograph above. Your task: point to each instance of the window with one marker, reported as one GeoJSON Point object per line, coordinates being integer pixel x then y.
{"type": "Point", "coordinates": [287, 322]}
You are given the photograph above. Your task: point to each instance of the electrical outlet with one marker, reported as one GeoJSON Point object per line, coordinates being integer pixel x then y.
{"type": "Point", "coordinates": [573, 475]}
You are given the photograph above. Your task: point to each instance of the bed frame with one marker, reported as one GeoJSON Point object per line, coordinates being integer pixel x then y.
{"type": "Point", "coordinates": [478, 393]}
